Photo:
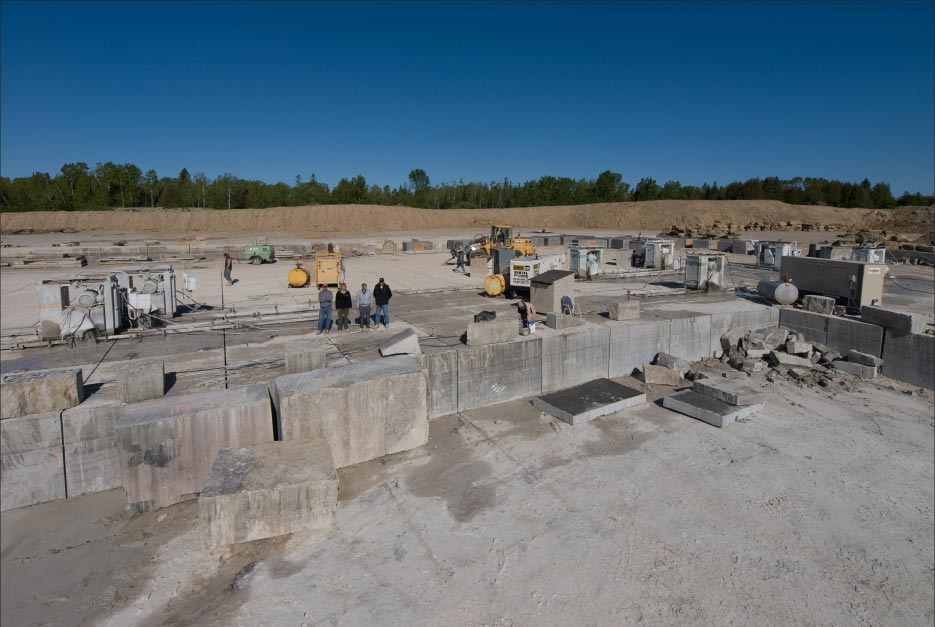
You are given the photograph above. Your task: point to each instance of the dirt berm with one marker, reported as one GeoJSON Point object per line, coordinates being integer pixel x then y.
{"type": "Point", "coordinates": [348, 219]}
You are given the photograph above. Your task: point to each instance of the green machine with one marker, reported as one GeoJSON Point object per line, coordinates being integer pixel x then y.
{"type": "Point", "coordinates": [259, 253]}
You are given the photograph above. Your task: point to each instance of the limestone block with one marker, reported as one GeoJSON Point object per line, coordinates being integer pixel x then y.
{"type": "Point", "coordinates": [499, 372]}
{"type": "Point", "coordinates": [673, 363]}
{"type": "Point", "coordinates": [732, 392]}
{"type": "Point", "coordinates": [31, 466]}
{"type": "Point", "coordinates": [268, 490]}
{"type": "Point", "coordinates": [731, 339]}
{"type": "Point", "coordinates": [863, 358]}
{"type": "Point", "coordinates": [492, 331]}
{"type": "Point", "coordinates": [561, 321]}
{"type": "Point", "coordinates": [92, 463]}
{"type": "Point", "coordinates": [636, 342]}
{"type": "Point", "coordinates": [442, 368]}
{"type": "Point", "coordinates": [707, 409]}
{"type": "Point", "coordinates": [818, 304]}
{"type": "Point", "coordinates": [625, 310]}
{"type": "Point", "coordinates": [40, 392]}
{"type": "Point", "coordinates": [574, 356]}
{"type": "Point", "coordinates": [141, 381]}
{"type": "Point", "coordinates": [363, 411]}
{"type": "Point", "coordinates": [752, 365]}
{"type": "Point", "coordinates": [904, 321]}
{"type": "Point", "coordinates": [701, 371]}
{"type": "Point", "coordinates": [588, 401]}
{"type": "Point", "coordinates": [689, 337]}
{"type": "Point", "coordinates": [776, 338]}
{"type": "Point", "coordinates": [658, 375]}
{"type": "Point", "coordinates": [812, 327]}
{"type": "Point", "coordinates": [795, 347]}
{"type": "Point", "coordinates": [910, 357]}
{"type": "Point", "coordinates": [403, 343]}
{"type": "Point", "coordinates": [166, 446]}
{"type": "Point", "coordinates": [845, 334]}
{"type": "Point", "coordinates": [305, 356]}
{"type": "Point", "coordinates": [479, 266]}
{"type": "Point", "coordinates": [858, 370]}
{"type": "Point", "coordinates": [775, 358]}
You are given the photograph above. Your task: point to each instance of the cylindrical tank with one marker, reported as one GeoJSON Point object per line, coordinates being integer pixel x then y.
{"type": "Point", "coordinates": [494, 284]}
{"type": "Point", "coordinates": [299, 277]}
{"type": "Point", "coordinates": [778, 291]}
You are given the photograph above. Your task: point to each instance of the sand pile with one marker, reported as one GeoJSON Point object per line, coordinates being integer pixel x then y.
{"type": "Point", "coordinates": [348, 219]}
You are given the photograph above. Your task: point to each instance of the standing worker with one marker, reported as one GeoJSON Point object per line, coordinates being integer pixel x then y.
{"type": "Point", "coordinates": [342, 302]}
{"type": "Point", "coordinates": [228, 267]}
{"type": "Point", "coordinates": [460, 261]}
{"type": "Point", "coordinates": [364, 303]}
{"type": "Point", "coordinates": [325, 299]}
{"type": "Point", "coordinates": [382, 295]}
{"type": "Point", "coordinates": [591, 261]}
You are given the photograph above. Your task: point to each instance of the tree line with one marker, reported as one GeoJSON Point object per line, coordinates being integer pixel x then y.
{"type": "Point", "coordinates": [79, 187]}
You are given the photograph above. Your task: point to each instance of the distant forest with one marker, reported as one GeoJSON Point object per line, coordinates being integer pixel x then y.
{"type": "Point", "coordinates": [78, 187]}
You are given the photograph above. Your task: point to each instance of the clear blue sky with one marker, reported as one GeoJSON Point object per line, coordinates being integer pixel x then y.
{"type": "Point", "coordinates": [687, 91]}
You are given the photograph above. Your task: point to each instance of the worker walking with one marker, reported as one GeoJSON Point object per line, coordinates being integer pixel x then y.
{"type": "Point", "coordinates": [325, 299]}
{"type": "Point", "coordinates": [364, 303]}
{"type": "Point", "coordinates": [228, 268]}
{"type": "Point", "coordinates": [343, 303]}
{"type": "Point", "coordinates": [460, 261]}
{"type": "Point", "coordinates": [382, 295]}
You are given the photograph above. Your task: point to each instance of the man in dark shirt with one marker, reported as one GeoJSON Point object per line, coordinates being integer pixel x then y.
{"type": "Point", "coordinates": [381, 296]}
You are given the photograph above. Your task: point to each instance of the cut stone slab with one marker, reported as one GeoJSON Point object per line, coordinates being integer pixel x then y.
{"type": "Point", "coordinates": [32, 469]}
{"type": "Point", "coordinates": [731, 339]}
{"type": "Point", "coordinates": [364, 410]}
{"type": "Point", "coordinates": [732, 392]}
{"type": "Point", "coordinates": [268, 490]}
{"type": "Point", "coordinates": [40, 392]}
{"type": "Point", "coordinates": [858, 370]}
{"type": "Point", "coordinates": [756, 353]}
{"type": "Point", "coordinates": [910, 357]}
{"type": "Point", "coordinates": [166, 446]}
{"type": "Point", "coordinates": [818, 304]}
{"type": "Point", "coordinates": [752, 365]}
{"type": "Point", "coordinates": [562, 321]}
{"type": "Point", "coordinates": [625, 310]}
{"type": "Point", "coordinates": [492, 331]}
{"type": "Point", "coordinates": [707, 409]}
{"type": "Point", "coordinates": [673, 363]}
{"type": "Point", "coordinates": [658, 375]}
{"type": "Point", "coordinates": [92, 463]}
{"type": "Point", "coordinates": [864, 358]}
{"type": "Point", "coordinates": [701, 371]}
{"type": "Point", "coordinates": [904, 321]}
{"type": "Point", "coordinates": [305, 357]}
{"type": "Point", "coordinates": [404, 343]}
{"type": "Point", "coordinates": [141, 381]}
{"type": "Point", "coordinates": [588, 401]}
{"type": "Point", "coordinates": [775, 358]}
{"type": "Point", "coordinates": [776, 338]}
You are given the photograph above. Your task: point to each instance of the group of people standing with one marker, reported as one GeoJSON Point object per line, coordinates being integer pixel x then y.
{"type": "Point", "coordinates": [343, 302]}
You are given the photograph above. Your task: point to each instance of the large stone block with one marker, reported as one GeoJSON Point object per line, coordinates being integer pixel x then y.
{"type": "Point", "coordinates": [818, 304]}
{"type": "Point", "coordinates": [910, 357]}
{"type": "Point", "coordinates": [305, 357]}
{"type": "Point", "coordinates": [364, 410]}
{"type": "Point", "coordinates": [499, 372]}
{"type": "Point", "coordinates": [403, 343]}
{"type": "Point", "coordinates": [268, 490]}
{"type": "Point", "coordinates": [634, 343]}
{"type": "Point", "coordinates": [502, 329]}
{"type": "Point", "coordinates": [141, 381]}
{"type": "Point", "coordinates": [812, 327]}
{"type": "Point", "coordinates": [732, 392]}
{"type": "Point", "coordinates": [904, 321]}
{"type": "Point", "coordinates": [864, 358]}
{"type": "Point", "coordinates": [559, 321]}
{"type": "Point", "coordinates": [689, 337]}
{"type": "Point", "coordinates": [575, 356]}
{"type": "Point", "coordinates": [856, 369]}
{"type": "Point", "coordinates": [92, 463]}
{"type": "Point", "coordinates": [625, 310]}
{"type": "Point", "coordinates": [588, 401]}
{"type": "Point", "coordinates": [660, 375]}
{"type": "Point", "coordinates": [442, 368]}
{"type": "Point", "coordinates": [707, 409]}
{"type": "Point", "coordinates": [32, 469]}
{"type": "Point", "coordinates": [166, 446]}
{"type": "Point", "coordinates": [845, 334]}
{"type": "Point", "coordinates": [40, 392]}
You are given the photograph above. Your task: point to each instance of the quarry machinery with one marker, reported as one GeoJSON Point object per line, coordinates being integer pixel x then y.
{"type": "Point", "coordinates": [501, 236]}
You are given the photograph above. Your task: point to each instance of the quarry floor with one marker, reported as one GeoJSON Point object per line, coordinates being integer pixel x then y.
{"type": "Point", "coordinates": [818, 510]}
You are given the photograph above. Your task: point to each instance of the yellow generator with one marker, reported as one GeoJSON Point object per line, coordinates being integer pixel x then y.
{"type": "Point", "coordinates": [329, 268]}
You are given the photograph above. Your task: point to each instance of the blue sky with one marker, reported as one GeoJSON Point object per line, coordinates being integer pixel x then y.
{"type": "Point", "coordinates": [687, 91]}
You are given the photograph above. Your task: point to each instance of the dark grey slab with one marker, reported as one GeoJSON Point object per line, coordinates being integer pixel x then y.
{"type": "Point", "coordinates": [589, 400]}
